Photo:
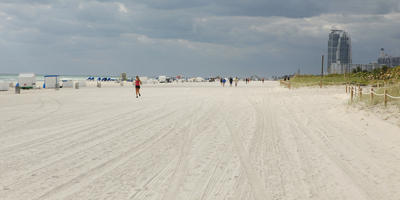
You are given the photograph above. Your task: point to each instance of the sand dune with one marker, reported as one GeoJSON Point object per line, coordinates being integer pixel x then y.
{"type": "Point", "coordinates": [195, 141]}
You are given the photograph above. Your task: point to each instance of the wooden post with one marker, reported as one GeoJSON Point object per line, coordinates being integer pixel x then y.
{"type": "Point", "coordinates": [372, 96]}
{"type": "Point", "coordinates": [346, 89]}
{"type": "Point", "coordinates": [322, 71]}
{"type": "Point", "coordinates": [351, 94]}
{"type": "Point", "coordinates": [360, 92]}
{"type": "Point", "coordinates": [289, 85]}
{"type": "Point", "coordinates": [385, 97]}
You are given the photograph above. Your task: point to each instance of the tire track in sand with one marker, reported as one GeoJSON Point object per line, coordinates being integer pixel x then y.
{"type": "Point", "coordinates": [39, 118]}
{"type": "Point", "coordinates": [92, 174]}
{"type": "Point", "coordinates": [257, 185]}
{"type": "Point", "coordinates": [180, 171]}
{"type": "Point", "coordinates": [92, 142]}
{"type": "Point", "coordinates": [77, 182]}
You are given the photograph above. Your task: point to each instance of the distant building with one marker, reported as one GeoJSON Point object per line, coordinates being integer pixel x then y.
{"type": "Point", "coordinates": [389, 61]}
{"type": "Point", "coordinates": [337, 68]}
{"type": "Point", "coordinates": [339, 48]}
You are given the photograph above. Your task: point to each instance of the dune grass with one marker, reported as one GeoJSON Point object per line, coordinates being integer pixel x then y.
{"type": "Point", "coordinates": [380, 76]}
{"type": "Point", "coordinates": [332, 79]}
{"type": "Point", "coordinates": [393, 90]}
{"type": "Point", "coordinates": [380, 79]}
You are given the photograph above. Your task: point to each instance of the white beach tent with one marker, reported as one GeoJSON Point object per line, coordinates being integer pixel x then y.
{"type": "Point", "coordinates": [50, 81]}
{"type": "Point", "coordinates": [27, 81]}
{"type": "Point", "coordinates": [4, 86]}
{"type": "Point", "coordinates": [199, 79]}
{"type": "Point", "coordinates": [162, 79]}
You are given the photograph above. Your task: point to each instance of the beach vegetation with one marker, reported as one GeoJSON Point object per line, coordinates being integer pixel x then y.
{"type": "Point", "coordinates": [383, 75]}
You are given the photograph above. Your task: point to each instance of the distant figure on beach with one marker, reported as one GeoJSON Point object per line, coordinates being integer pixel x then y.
{"type": "Point", "coordinates": [262, 80]}
{"type": "Point", "coordinates": [230, 81]}
{"type": "Point", "coordinates": [236, 81]}
{"type": "Point", "coordinates": [223, 82]}
{"type": "Point", "coordinates": [138, 82]}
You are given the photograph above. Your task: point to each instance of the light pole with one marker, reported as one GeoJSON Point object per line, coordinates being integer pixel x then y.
{"type": "Point", "coordinates": [322, 71]}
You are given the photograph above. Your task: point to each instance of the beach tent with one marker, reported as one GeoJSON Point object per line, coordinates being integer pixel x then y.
{"type": "Point", "coordinates": [27, 81]}
{"type": "Point", "coordinates": [199, 79]}
{"type": "Point", "coordinates": [4, 86]}
{"type": "Point", "coordinates": [50, 81]}
{"type": "Point", "coordinates": [162, 79]}
{"type": "Point", "coordinates": [68, 83]}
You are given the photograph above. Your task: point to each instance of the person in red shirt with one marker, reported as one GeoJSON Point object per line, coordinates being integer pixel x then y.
{"type": "Point", "coordinates": [137, 86]}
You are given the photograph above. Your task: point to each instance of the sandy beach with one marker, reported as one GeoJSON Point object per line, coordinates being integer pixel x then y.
{"type": "Point", "coordinates": [195, 141]}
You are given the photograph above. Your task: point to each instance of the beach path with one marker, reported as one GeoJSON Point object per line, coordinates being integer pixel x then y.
{"type": "Point", "coordinates": [195, 141]}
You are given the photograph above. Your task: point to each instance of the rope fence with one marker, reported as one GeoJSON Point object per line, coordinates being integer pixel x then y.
{"type": "Point", "coordinates": [357, 91]}
{"type": "Point", "coordinates": [392, 96]}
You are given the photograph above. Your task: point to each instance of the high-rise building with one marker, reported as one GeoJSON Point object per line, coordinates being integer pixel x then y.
{"type": "Point", "coordinates": [387, 60]}
{"type": "Point", "coordinates": [339, 48]}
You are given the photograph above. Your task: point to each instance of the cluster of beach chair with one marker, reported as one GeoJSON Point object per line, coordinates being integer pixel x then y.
{"type": "Point", "coordinates": [92, 78]}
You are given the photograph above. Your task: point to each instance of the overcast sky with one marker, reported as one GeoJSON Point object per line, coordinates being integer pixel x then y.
{"type": "Point", "coordinates": [189, 37]}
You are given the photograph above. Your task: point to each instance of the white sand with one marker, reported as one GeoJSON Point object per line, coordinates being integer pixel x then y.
{"type": "Point", "coordinates": [200, 141]}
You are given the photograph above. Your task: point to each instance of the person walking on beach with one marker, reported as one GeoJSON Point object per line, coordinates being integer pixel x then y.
{"type": "Point", "coordinates": [230, 81]}
{"type": "Point", "coordinates": [236, 81]}
{"type": "Point", "coordinates": [138, 82]}
{"type": "Point", "coordinates": [223, 82]}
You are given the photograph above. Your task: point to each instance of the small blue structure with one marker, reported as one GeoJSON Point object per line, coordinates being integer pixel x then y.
{"type": "Point", "coordinates": [51, 81]}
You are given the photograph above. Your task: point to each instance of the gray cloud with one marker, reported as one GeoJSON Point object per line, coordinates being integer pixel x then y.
{"type": "Point", "coordinates": [190, 37]}
{"type": "Point", "coordinates": [287, 8]}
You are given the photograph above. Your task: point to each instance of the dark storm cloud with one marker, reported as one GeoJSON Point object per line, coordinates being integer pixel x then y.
{"type": "Point", "coordinates": [193, 37]}
{"type": "Point", "coordinates": [286, 8]}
